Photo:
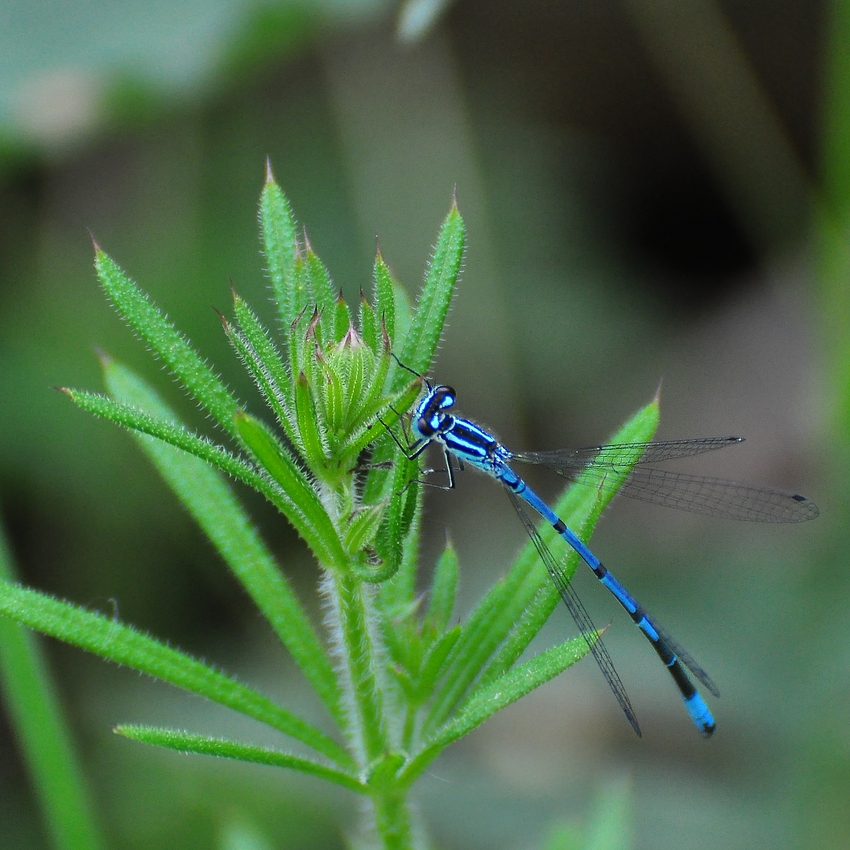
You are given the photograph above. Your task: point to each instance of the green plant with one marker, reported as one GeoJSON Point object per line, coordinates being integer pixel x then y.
{"type": "Point", "coordinates": [400, 680]}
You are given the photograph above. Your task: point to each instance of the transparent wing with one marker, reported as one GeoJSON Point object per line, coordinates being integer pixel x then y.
{"type": "Point", "coordinates": [579, 614]}
{"type": "Point", "coordinates": [716, 497]}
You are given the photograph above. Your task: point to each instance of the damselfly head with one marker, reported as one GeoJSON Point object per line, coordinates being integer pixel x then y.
{"type": "Point", "coordinates": [443, 397]}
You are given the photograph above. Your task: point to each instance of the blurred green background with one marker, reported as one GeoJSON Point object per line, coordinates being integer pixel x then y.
{"type": "Point", "coordinates": [654, 191]}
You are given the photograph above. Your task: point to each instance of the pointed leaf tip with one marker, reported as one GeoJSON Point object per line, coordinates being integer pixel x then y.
{"type": "Point", "coordinates": [225, 323]}
{"type": "Point", "coordinates": [104, 359]}
{"type": "Point", "coordinates": [97, 248]}
{"type": "Point", "coordinates": [454, 198]}
{"type": "Point", "coordinates": [269, 173]}
{"type": "Point", "coordinates": [657, 397]}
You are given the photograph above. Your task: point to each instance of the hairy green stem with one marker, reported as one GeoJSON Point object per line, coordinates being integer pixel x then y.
{"type": "Point", "coordinates": [359, 658]}
{"type": "Point", "coordinates": [392, 818]}
{"type": "Point", "coordinates": [362, 659]}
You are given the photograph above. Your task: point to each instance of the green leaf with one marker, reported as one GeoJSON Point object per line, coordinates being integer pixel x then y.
{"type": "Point", "coordinates": [149, 323]}
{"type": "Point", "coordinates": [424, 333]}
{"type": "Point", "coordinates": [280, 245]}
{"type": "Point", "coordinates": [402, 589]}
{"type": "Point", "coordinates": [311, 436]}
{"type": "Point", "coordinates": [369, 325]}
{"type": "Point", "coordinates": [390, 537]}
{"type": "Point", "coordinates": [259, 371]}
{"type": "Point", "coordinates": [302, 340]}
{"type": "Point", "coordinates": [186, 742]}
{"type": "Point", "coordinates": [443, 589]}
{"type": "Point", "coordinates": [212, 504]}
{"type": "Point", "coordinates": [385, 288]}
{"type": "Point", "coordinates": [263, 360]}
{"type": "Point", "coordinates": [320, 284]}
{"type": "Point", "coordinates": [405, 647]}
{"type": "Point", "coordinates": [498, 695]}
{"type": "Point", "coordinates": [403, 314]}
{"type": "Point", "coordinates": [341, 318]}
{"type": "Point", "coordinates": [312, 516]}
{"type": "Point", "coordinates": [482, 634]}
{"type": "Point", "coordinates": [43, 737]}
{"type": "Point", "coordinates": [114, 641]}
{"type": "Point", "coordinates": [362, 528]}
{"type": "Point", "coordinates": [433, 663]}
{"type": "Point", "coordinates": [359, 359]}
{"type": "Point", "coordinates": [372, 405]}
{"type": "Point", "coordinates": [332, 396]}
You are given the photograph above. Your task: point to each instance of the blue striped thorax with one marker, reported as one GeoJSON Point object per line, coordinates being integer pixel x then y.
{"type": "Point", "coordinates": [464, 439]}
